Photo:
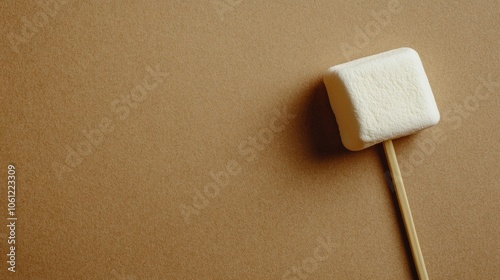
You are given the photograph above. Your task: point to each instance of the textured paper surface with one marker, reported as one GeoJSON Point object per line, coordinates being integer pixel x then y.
{"type": "Point", "coordinates": [118, 117]}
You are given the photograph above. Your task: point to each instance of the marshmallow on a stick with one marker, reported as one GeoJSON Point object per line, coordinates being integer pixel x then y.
{"type": "Point", "coordinates": [379, 98]}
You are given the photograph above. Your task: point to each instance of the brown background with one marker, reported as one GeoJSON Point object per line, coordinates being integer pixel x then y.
{"type": "Point", "coordinates": [117, 214]}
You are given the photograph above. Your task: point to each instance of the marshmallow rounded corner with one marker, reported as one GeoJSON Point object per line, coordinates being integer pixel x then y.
{"type": "Point", "coordinates": [435, 118]}
{"type": "Point", "coordinates": [354, 146]}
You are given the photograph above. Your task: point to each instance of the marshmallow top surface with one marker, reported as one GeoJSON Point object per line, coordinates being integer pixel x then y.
{"type": "Point", "coordinates": [380, 97]}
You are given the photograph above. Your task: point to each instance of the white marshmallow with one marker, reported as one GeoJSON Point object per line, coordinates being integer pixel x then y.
{"type": "Point", "coordinates": [380, 97]}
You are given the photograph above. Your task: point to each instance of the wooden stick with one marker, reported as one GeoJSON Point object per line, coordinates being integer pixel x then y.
{"type": "Point", "coordinates": [404, 207]}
